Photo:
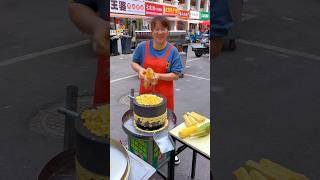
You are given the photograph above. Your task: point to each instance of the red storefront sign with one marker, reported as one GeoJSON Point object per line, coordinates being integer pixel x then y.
{"type": "Point", "coordinates": [153, 9]}
{"type": "Point", "coordinates": [183, 14]}
{"type": "Point", "coordinates": [170, 11]}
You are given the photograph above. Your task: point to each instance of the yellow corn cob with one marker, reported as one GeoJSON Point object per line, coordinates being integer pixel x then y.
{"type": "Point", "coordinates": [186, 132]}
{"type": "Point", "coordinates": [194, 122]}
{"type": "Point", "coordinates": [149, 74]}
{"type": "Point", "coordinates": [202, 130]}
{"type": "Point", "coordinates": [266, 172]}
{"type": "Point", "coordinates": [187, 121]}
{"type": "Point", "coordinates": [198, 116]}
{"type": "Point", "coordinates": [97, 120]}
{"type": "Point", "coordinates": [241, 174]}
{"type": "Point", "coordinates": [256, 175]}
{"type": "Point", "coordinates": [199, 120]}
{"type": "Point", "coordinates": [282, 170]}
{"type": "Point", "coordinates": [148, 99]}
{"type": "Point", "coordinates": [146, 83]}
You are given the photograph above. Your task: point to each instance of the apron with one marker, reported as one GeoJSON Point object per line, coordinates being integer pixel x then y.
{"type": "Point", "coordinates": [159, 65]}
{"type": "Point", "coordinates": [102, 84]}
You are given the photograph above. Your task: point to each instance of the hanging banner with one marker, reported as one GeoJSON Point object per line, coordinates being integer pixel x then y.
{"type": "Point", "coordinates": [204, 16]}
{"type": "Point", "coordinates": [194, 15]}
{"type": "Point", "coordinates": [153, 9]}
{"type": "Point", "coordinates": [127, 7]}
{"type": "Point", "coordinates": [183, 14]}
{"type": "Point", "coordinates": [170, 10]}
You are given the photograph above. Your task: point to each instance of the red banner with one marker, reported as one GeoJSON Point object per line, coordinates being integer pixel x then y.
{"type": "Point", "coordinates": [153, 9]}
{"type": "Point", "coordinates": [183, 14]}
{"type": "Point", "coordinates": [170, 11]}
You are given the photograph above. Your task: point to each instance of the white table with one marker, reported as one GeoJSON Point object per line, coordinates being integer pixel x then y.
{"type": "Point", "coordinates": [199, 145]}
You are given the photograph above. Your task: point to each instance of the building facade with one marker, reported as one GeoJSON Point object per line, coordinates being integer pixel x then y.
{"type": "Point", "coordinates": [131, 15]}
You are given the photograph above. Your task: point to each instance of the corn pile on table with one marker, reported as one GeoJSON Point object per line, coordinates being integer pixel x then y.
{"type": "Point", "coordinates": [199, 145]}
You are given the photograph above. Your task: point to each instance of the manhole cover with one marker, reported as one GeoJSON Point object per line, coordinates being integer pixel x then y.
{"type": "Point", "coordinates": [126, 100]}
{"type": "Point", "coordinates": [49, 122]}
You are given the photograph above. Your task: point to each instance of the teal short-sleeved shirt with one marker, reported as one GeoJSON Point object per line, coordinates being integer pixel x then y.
{"type": "Point", "coordinates": [174, 59]}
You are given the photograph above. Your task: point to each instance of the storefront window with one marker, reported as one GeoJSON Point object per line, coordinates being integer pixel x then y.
{"type": "Point", "coordinates": [182, 25]}
{"type": "Point", "coordinates": [202, 5]}
{"type": "Point", "coordinates": [193, 3]}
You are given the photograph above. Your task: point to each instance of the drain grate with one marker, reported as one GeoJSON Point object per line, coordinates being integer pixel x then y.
{"type": "Point", "coordinates": [49, 122]}
{"type": "Point", "coordinates": [125, 100]}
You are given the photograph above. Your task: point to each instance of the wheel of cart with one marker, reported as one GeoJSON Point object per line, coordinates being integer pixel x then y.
{"type": "Point", "coordinates": [198, 53]}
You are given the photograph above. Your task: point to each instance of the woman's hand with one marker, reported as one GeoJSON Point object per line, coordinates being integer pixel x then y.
{"type": "Point", "coordinates": [156, 76]}
{"type": "Point", "coordinates": [138, 69]}
{"type": "Point", "coordinates": [87, 20]}
{"type": "Point", "coordinates": [217, 47]}
{"type": "Point", "coordinates": [141, 73]}
{"type": "Point", "coordinates": [100, 36]}
{"type": "Point", "coordinates": [165, 76]}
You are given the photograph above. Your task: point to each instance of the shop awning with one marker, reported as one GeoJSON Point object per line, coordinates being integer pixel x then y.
{"type": "Point", "coordinates": [176, 19]}
{"type": "Point", "coordinates": [205, 22]}
{"type": "Point", "coordinates": [130, 16]}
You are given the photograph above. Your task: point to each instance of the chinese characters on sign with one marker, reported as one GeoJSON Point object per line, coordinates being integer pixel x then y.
{"type": "Point", "coordinates": [127, 7]}
{"type": "Point", "coordinates": [170, 11]}
{"type": "Point", "coordinates": [194, 15]}
{"type": "Point", "coordinates": [122, 5]}
{"type": "Point", "coordinates": [153, 9]}
{"type": "Point", "coordinates": [183, 14]}
{"type": "Point", "coordinates": [204, 16]}
{"type": "Point", "coordinates": [113, 5]}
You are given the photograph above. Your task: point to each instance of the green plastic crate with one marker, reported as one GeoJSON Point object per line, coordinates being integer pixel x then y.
{"type": "Point", "coordinates": [148, 151]}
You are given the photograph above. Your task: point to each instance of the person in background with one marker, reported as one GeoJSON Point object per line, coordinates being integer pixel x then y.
{"type": "Point", "coordinates": [221, 24]}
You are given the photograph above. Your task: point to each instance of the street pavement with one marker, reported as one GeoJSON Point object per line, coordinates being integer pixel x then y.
{"type": "Point", "coordinates": [191, 94]}
{"type": "Point", "coordinates": [37, 81]}
{"type": "Point", "coordinates": [267, 92]}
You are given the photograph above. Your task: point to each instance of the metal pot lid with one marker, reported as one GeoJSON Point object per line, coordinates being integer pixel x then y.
{"type": "Point", "coordinates": [119, 161]}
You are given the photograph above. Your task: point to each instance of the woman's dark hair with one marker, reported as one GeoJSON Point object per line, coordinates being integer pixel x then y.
{"type": "Point", "coordinates": [163, 21]}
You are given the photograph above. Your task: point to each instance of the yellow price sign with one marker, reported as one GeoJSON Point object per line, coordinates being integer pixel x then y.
{"type": "Point", "coordinates": [170, 11]}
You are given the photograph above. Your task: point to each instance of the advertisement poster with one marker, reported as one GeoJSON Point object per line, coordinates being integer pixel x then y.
{"type": "Point", "coordinates": [204, 16]}
{"type": "Point", "coordinates": [153, 9]}
{"type": "Point", "coordinates": [170, 11]}
{"type": "Point", "coordinates": [183, 14]}
{"type": "Point", "coordinates": [194, 15]}
{"type": "Point", "coordinates": [127, 7]}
